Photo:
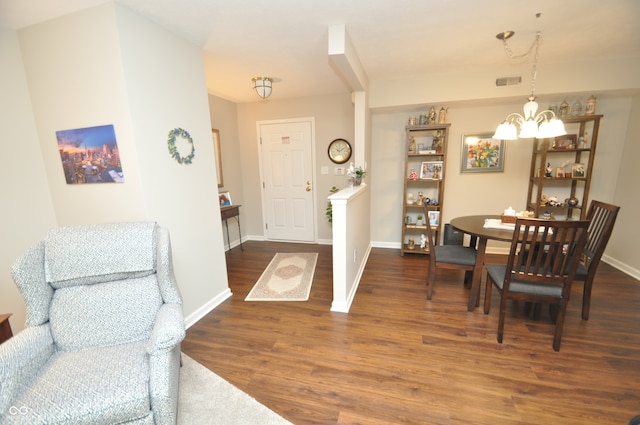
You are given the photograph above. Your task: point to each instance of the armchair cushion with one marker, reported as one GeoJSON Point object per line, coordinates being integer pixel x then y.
{"type": "Point", "coordinates": [135, 255]}
{"type": "Point", "coordinates": [107, 314]}
{"type": "Point", "coordinates": [99, 386]}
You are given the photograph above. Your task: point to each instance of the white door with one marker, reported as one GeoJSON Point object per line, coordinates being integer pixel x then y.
{"type": "Point", "coordinates": [286, 149]}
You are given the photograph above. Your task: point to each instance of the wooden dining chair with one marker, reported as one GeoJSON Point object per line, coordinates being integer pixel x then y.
{"type": "Point", "coordinates": [541, 266]}
{"type": "Point", "coordinates": [456, 257]}
{"type": "Point", "coordinates": [601, 217]}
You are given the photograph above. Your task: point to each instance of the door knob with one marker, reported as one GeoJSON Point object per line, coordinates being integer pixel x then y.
{"type": "Point", "coordinates": [308, 188]}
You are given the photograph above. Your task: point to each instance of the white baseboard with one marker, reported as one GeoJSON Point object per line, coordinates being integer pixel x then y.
{"type": "Point", "coordinates": [193, 318]}
{"type": "Point", "coordinates": [625, 268]}
{"type": "Point", "coordinates": [345, 306]}
{"type": "Point", "coordinates": [387, 245]}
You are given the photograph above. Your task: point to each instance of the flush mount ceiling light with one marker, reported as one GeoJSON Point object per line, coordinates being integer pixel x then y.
{"type": "Point", "coordinates": [544, 124]}
{"type": "Point", "coordinates": [262, 86]}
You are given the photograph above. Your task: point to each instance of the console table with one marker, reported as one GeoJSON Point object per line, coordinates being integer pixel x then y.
{"type": "Point", "coordinates": [226, 213]}
{"type": "Point", "coordinates": [5, 328]}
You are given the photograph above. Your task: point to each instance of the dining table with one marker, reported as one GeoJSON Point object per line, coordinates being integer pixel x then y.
{"type": "Point", "coordinates": [474, 225]}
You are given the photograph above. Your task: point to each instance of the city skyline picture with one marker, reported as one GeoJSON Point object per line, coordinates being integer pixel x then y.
{"type": "Point", "coordinates": [90, 155]}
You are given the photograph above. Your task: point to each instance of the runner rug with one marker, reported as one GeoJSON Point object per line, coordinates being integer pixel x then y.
{"type": "Point", "coordinates": [288, 277]}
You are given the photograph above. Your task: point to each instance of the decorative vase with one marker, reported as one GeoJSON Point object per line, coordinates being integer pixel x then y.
{"type": "Point", "coordinates": [355, 181]}
{"type": "Point", "coordinates": [591, 106]}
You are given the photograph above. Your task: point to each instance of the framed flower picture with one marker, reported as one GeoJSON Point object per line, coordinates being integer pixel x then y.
{"type": "Point", "coordinates": [482, 153]}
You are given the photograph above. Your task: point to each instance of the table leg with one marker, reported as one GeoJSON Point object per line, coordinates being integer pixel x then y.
{"type": "Point", "coordinates": [228, 240]}
{"type": "Point", "coordinates": [474, 292]}
{"type": "Point", "coordinates": [239, 232]}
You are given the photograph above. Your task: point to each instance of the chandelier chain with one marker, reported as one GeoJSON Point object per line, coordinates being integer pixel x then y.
{"type": "Point", "coordinates": [534, 45]}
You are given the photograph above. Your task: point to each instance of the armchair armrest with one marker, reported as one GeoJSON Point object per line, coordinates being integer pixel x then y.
{"type": "Point", "coordinates": [21, 358]}
{"type": "Point", "coordinates": [164, 363]}
{"type": "Point", "coordinates": [168, 330]}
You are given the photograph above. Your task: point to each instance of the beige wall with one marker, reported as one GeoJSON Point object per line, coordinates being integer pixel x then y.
{"type": "Point", "coordinates": [488, 193]}
{"type": "Point", "coordinates": [27, 209]}
{"type": "Point", "coordinates": [333, 119]}
{"type": "Point", "coordinates": [623, 246]}
{"type": "Point", "coordinates": [224, 118]}
{"type": "Point", "coordinates": [107, 65]}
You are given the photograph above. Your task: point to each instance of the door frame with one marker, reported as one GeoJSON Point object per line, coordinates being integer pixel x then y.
{"type": "Point", "coordinates": [314, 197]}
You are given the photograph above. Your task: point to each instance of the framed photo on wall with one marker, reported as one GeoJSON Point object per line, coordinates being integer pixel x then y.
{"type": "Point", "coordinates": [482, 153]}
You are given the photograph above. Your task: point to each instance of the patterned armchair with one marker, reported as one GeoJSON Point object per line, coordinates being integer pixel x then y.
{"type": "Point", "coordinates": [104, 325]}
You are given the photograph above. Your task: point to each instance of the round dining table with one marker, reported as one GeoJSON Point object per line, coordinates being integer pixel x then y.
{"type": "Point", "coordinates": [474, 225]}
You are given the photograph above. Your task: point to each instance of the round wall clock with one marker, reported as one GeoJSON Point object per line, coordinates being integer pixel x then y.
{"type": "Point", "coordinates": [339, 151]}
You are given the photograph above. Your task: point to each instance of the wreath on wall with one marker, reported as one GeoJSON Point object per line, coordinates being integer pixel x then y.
{"type": "Point", "coordinates": [173, 151]}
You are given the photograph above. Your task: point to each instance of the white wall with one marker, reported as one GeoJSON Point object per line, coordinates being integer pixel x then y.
{"type": "Point", "coordinates": [27, 209]}
{"type": "Point", "coordinates": [107, 65]}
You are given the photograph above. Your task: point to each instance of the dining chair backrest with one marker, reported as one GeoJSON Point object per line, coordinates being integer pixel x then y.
{"type": "Point", "coordinates": [601, 217]}
{"type": "Point", "coordinates": [546, 251]}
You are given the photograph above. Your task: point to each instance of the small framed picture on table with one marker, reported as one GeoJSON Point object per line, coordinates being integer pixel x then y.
{"type": "Point", "coordinates": [225, 199]}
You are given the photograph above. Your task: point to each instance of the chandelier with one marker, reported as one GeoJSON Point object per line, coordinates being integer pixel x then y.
{"type": "Point", "coordinates": [262, 86]}
{"type": "Point", "coordinates": [544, 124]}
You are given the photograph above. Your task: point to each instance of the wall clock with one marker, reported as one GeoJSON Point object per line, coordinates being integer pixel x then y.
{"type": "Point", "coordinates": [339, 151]}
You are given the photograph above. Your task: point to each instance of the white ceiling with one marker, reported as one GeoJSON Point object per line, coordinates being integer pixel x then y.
{"type": "Point", "coordinates": [287, 39]}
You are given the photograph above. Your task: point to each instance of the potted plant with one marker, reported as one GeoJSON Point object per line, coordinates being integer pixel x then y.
{"type": "Point", "coordinates": [355, 174]}
{"type": "Point", "coordinates": [420, 222]}
{"type": "Point", "coordinates": [329, 210]}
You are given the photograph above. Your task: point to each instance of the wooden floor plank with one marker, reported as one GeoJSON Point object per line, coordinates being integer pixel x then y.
{"type": "Point", "coordinates": [397, 358]}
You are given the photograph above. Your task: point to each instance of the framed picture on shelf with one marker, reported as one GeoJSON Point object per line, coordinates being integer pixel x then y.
{"type": "Point", "coordinates": [482, 153]}
{"type": "Point", "coordinates": [434, 218]}
{"type": "Point", "coordinates": [578, 171]}
{"type": "Point", "coordinates": [560, 172]}
{"type": "Point", "coordinates": [431, 170]}
{"type": "Point", "coordinates": [568, 141]}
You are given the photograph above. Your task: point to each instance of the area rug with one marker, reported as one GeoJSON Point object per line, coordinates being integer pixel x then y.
{"type": "Point", "coordinates": [288, 277]}
{"type": "Point", "coordinates": [207, 399]}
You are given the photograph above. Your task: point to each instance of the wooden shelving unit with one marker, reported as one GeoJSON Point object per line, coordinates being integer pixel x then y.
{"type": "Point", "coordinates": [562, 167]}
{"type": "Point", "coordinates": [428, 161]}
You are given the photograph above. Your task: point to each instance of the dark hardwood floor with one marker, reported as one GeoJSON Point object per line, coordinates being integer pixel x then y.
{"type": "Point", "coordinates": [397, 358]}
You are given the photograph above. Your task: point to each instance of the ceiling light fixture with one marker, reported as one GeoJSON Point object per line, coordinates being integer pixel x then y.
{"type": "Point", "coordinates": [262, 86]}
{"type": "Point", "coordinates": [544, 124]}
